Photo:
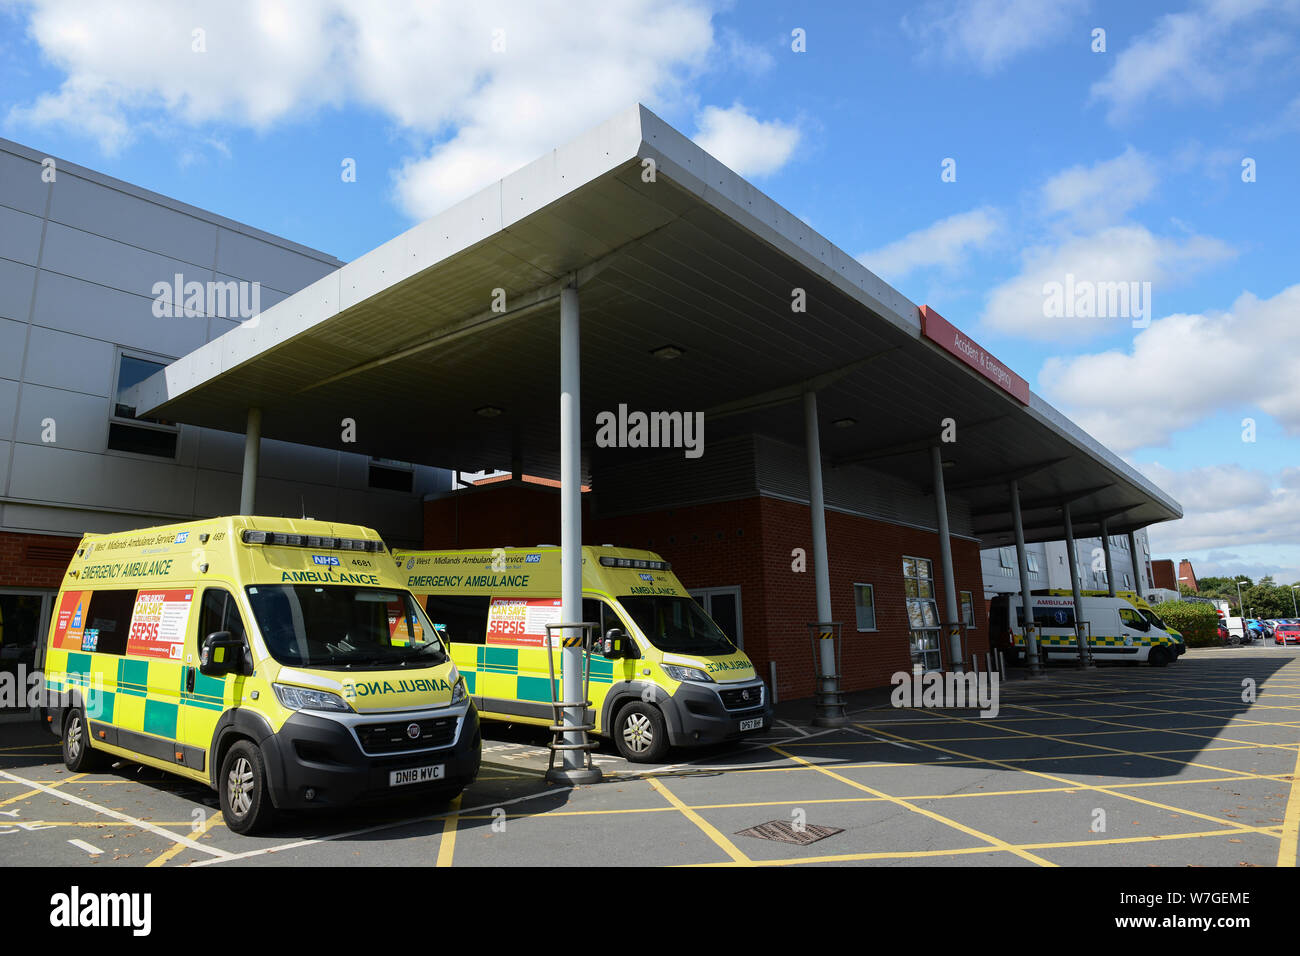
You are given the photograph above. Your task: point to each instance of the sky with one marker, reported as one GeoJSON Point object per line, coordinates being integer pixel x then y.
{"type": "Point", "coordinates": [1013, 164]}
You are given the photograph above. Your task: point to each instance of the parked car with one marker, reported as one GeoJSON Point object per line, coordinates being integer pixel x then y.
{"type": "Point", "coordinates": [1227, 636]}
{"type": "Point", "coordinates": [1286, 634]}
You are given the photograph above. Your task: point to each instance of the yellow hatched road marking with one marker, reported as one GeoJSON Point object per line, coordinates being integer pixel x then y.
{"type": "Point", "coordinates": [32, 793]}
{"type": "Point", "coordinates": [162, 858]}
{"type": "Point", "coordinates": [963, 851]}
{"type": "Point", "coordinates": [1092, 787]}
{"type": "Point", "coordinates": [447, 845]}
{"type": "Point", "coordinates": [939, 818]}
{"type": "Point", "coordinates": [1153, 755]}
{"type": "Point", "coordinates": [1287, 852]}
{"type": "Point", "coordinates": [712, 832]}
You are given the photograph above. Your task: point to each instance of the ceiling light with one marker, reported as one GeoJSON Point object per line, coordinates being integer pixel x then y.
{"type": "Point", "coordinates": [667, 352]}
{"type": "Point", "coordinates": [844, 422]}
{"type": "Point", "coordinates": [487, 411]}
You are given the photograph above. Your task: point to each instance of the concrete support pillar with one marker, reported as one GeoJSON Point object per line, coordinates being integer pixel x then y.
{"type": "Point", "coordinates": [1026, 590]}
{"type": "Point", "coordinates": [252, 455]}
{"type": "Point", "coordinates": [829, 712]}
{"type": "Point", "coordinates": [1080, 640]}
{"type": "Point", "coordinates": [950, 613]}
{"type": "Point", "coordinates": [1105, 550]}
{"type": "Point", "coordinates": [574, 768]}
{"type": "Point", "coordinates": [1139, 579]}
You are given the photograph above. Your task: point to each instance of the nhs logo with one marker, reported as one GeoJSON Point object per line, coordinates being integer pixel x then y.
{"type": "Point", "coordinates": [532, 559]}
{"type": "Point", "coordinates": [647, 577]}
{"type": "Point", "coordinates": [326, 559]}
{"type": "Point", "coordinates": [181, 537]}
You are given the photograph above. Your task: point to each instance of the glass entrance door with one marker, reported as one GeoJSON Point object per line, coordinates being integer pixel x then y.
{"type": "Point", "coordinates": [723, 605]}
{"type": "Point", "coordinates": [24, 621]}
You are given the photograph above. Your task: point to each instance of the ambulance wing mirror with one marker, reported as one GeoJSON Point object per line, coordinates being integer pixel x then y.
{"type": "Point", "coordinates": [612, 644]}
{"type": "Point", "coordinates": [222, 654]}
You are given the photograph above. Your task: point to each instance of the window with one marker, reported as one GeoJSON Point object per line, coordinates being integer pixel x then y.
{"type": "Point", "coordinates": [922, 612]}
{"type": "Point", "coordinates": [108, 621]}
{"type": "Point", "coordinates": [864, 603]}
{"type": "Point", "coordinates": [599, 612]}
{"type": "Point", "coordinates": [132, 433]}
{"type": "Point", "coordinates": [1127, 581]}
{"type": "Point", "coordinates": [1032, 560]}
{"type": "Point", "coordinates": [388, 475]}
{"type": "Point", "coordinates": [1132, 619]}
{"type": "Point", "coordinates": [219, 612]}
{"type": "Point", "coordinates": [1008, 558]}
{"type": "Point", "coordinates": [459, 619]}
{"type": "Point", "coordinates": [967, 609]}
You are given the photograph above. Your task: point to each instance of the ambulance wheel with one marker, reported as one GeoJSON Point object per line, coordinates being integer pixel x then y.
{"type": "Point", "coordinates": [245, 802]}
{"type": "Point", "coordinates": [640, 733]}
{"type": "Point", "coordinates": [1158, 657]}
{"type": "Point", "coordinates": [78, 755]}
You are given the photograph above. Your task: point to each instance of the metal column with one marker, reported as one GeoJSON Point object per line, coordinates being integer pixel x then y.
{"type": "Point", "coordinates": [830, 709]}
{"type": "Point", "coordinates": [1105, 550]}
{"type": "Point", "coordinates": [945, 562]}
{"type": "Point", "coordinates": [1138, 577]}
{"type": "Point", "coordinates": [1026, 597]}
{"type": "Point", "coordinates": [252, 454]}
{"type": "Point", "coordinates": [573, 770]}
{"type": "Point", "coordinates": [1085, 659]}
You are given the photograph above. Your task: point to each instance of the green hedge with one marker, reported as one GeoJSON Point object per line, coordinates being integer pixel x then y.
{"type": "Point", "coordinates": [1198, 622]}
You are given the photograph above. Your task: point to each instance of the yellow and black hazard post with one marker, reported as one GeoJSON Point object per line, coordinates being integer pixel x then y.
{"type": "Point", "coordinates": [827, 660]}
{"type": "Point", "coordinates": [572, 737]}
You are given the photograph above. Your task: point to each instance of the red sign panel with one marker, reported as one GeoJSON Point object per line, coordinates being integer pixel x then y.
{"type": "Point", "coordinates": [952, 340]}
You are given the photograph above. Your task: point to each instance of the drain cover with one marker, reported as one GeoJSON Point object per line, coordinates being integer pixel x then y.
{"type": "Point", "coordinates": [783, 831]}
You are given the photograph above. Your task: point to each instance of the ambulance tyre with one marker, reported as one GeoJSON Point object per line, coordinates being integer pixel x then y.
{"type": "Point", "coordinates": [1158, 657]}
{"type": "Point", "coordinates": [245, 800]}
{"type": "Point", "coordinates": [641, 733]}
{"type": "Point", "coordinates": [78, 755]}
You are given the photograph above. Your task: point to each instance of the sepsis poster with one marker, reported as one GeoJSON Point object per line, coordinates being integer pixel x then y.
{"type": "Point", "coordinates": [521, 622]}
{"type": "Point", "coordinates": [159, 623]}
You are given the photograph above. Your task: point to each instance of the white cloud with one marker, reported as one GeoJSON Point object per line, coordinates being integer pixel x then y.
{"type": "Point", "coordinates": [483, 87]}
{"type": "Point", "coordinates": [1228, 506]}
{"type": "Point", "coordinates": [991, 32]}
{"type": "Point", "coordinates": [1097, 195]}
{"type": "Point", "coordinates": [1117, 254]}
{"type": "Point", "coordinates": [944, 243]}
{"type": "Point", "coordinates": [1199, 55]}
{"type": "Point", "coordinates": [748, 145]}
{"type": "Point", "coordinates": [1174, 376]}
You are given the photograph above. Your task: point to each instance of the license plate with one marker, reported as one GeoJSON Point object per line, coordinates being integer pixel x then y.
{"type": "Point", "coordinates": [755, 723]}
{"type": "Point", "coordinates": [398, 778]}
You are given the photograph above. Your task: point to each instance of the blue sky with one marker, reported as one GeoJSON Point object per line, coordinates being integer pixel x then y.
{"type": "Point", "coordinates": [1114, 165]}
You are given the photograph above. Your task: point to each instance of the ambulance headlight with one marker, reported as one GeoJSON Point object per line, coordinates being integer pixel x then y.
{"type": "Point", "coordinates": [305, 698]}
{"type": "Point", "coordinates": [458, 694]}
{"type": "Point", "coordinates": [677, 672]}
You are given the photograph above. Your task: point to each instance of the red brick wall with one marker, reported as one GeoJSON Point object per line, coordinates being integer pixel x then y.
{"type": "Point", "coordinates": [34, 560]}
{"type": "Point", "coordinates": [749, 543]}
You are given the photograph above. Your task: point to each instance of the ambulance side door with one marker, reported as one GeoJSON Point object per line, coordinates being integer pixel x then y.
{"type": "Point", "coordinates": [204, 698]}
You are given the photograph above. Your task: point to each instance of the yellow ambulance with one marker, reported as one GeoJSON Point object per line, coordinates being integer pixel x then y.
{"type": "Point", "coordinates": [663, 673]}
{"type": "Point", "coordinates": [279, 661]}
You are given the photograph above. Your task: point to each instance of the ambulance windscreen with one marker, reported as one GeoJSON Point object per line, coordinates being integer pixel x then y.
{"type": "Point", "coordinates": [308, 625]}
{"type": "Point", "coordinates": [677, 625]}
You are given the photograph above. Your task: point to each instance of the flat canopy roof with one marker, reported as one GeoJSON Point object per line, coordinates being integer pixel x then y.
{"type": "Point", "coordinates": [459, 316]}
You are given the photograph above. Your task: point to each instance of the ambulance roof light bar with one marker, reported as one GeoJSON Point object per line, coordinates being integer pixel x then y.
{"type": "Point", "coordinates": [637, 563]}
{"type": "Point", "coordinates": [321, 542]}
